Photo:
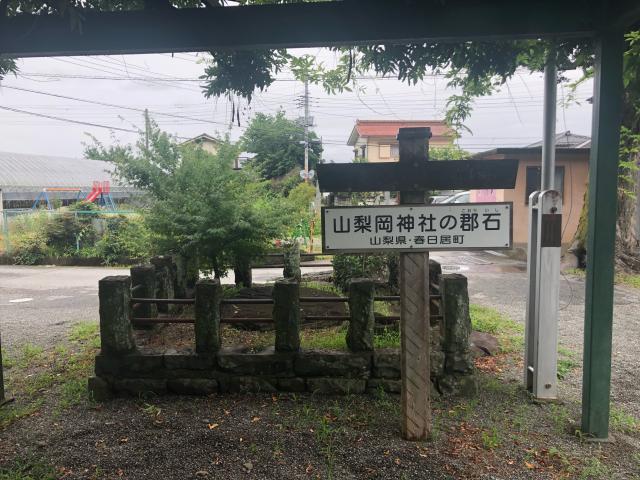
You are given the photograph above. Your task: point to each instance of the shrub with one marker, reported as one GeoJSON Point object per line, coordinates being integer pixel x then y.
{"type": "Point", "coordinates": [30, 247]}
{"type": "Point", "coordinates": [346, 267]}
{"type": "Point", "coordinates": [124, 237]}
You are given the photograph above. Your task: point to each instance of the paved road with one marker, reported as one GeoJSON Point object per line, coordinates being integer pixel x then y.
{"type": "Point", "coordinates": [39, 304]}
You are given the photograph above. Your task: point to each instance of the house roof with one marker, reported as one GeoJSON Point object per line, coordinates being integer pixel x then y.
{"type": "Point", "coordinates": [566, 143]}
{"type": "Point", "coordinates": [389, 128]}
{"type": "Point", "coordinates": [568, 140]}
{"type": "Point", "coordinates": [21, 170]}
{"type": "Point", "coordinates": [202, 136]}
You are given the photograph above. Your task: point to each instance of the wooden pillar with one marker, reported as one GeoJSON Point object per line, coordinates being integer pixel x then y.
{"type": "Point", "coordinates": [601, 236]}
{"type": "Point", "coordinates": [414, 306]}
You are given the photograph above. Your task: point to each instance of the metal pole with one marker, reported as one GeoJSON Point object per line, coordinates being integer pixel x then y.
{"type": "Point", "coordinates": [306, 129]}
{"type": "Point", "coordinates": [601, 236]}
{"type": "Point", "coordinates": [549, 120]}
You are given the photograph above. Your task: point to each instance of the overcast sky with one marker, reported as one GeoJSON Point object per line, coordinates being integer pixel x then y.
{"type": "Point", "coordinates": [167, 85]}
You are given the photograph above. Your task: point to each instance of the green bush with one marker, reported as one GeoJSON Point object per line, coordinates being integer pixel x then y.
{"type": "Point", "coordinates": [124, 238]}
{"type": "Point", "coordinates": [30, 247]}
{"type": "Point", "coordinates": [346, 267]}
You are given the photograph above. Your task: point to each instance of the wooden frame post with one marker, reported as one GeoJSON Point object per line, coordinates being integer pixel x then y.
{"type": "Point", "coordinates": [601, 237]}
{"type": "Point", "coordinates": [414, 307]}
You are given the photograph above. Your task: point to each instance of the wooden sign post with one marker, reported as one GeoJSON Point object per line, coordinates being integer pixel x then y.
{"type": "Point", "coordinates": [413, 228]}
{"type": "Point", "coordinates": [414, 307]}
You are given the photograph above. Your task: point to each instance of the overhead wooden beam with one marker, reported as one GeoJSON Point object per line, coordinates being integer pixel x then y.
{"type": "Point", "coordinates": [391, 176]}
{"type": "Point", "coordinates": [346, 22]}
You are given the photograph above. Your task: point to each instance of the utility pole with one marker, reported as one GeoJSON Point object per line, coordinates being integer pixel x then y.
{"type": "Point", "coordinates": [146, 128]}
{"type": "Point", "coordinates": [306, 129]}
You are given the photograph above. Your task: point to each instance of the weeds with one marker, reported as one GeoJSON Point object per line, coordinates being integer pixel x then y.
{"type": "Point", "coordinates": [30, 354]}
{"type": "Point", "coordinates": [389, 338]}
{"type": "Point", "coordinates": [333, 338]}
{"type": "Point", "coordinates": [567, 362]}
{"type": "Point", "coordinates": [594, 469]}
{"type": "Point", "coordinates": [489, 320]}
{"type": "Point", "coordinates": [623, 422]}
{"type": "Point", "coordinates": [28, 470]}
{"type": "Point", "coordinates": [491, 439]}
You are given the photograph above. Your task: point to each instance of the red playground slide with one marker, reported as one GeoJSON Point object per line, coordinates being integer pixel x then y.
{"type": "Point", "coordinates": [95, 192]}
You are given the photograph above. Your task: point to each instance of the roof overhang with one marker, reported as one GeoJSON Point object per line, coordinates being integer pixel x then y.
{"type": "Point", "coordinates": [514, 152]}
{"type": "Point", "coordinates": [315, 24]}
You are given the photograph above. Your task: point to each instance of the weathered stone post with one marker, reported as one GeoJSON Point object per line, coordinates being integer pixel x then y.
{"type": "Point", "coordinates": [180, 280]}
{"type": "Point", "coordinates": [143, 285]}
{"type": "Point", "coordinates": [457, 323]}
{"type": "Point", "coordinates": [116, 333]}
{"type": "Point", "coordinates": [362, 322]}
{"type": "Point", "coordinates": [193, 273]}
{"type": "Point", "coordinates": [242, 272]}
{"type": "Point", "coordinates": [164, 279]}
{"type": "Point", "coordinates": [292, 261]}
{"type": "Point", "coordinates": [207, 313]}
{"type": "Point", "coordinates": [286, 314]}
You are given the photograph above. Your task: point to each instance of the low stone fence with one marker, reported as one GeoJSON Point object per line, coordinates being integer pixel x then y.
{"type": "Point", "coordinates": [122, 369]}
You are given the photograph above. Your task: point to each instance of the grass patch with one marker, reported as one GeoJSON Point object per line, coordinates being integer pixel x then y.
{"type": "Point", "coordinates": [28, 470]}
{"type": "Point", "coordinates": [388, 338]}
{"type": "Point", "coordinates": [623, 421]}
{"type": "Point", "coordinates": [84, 332]}
{"type": "Point", "coordinates": [333, 338]}
{"type": "Point", "coordinates": [577, 272]}
{"type": "Point", "coordinates": [489, 320]}
{"type": "Point", "coordinates": [322, 287]}
{"type": "Point", "coordinates": [629, 279]}
{"type": "Point", "coordinates": [29, 355]}
{"type": "Point", "coordinates": [567, 362]}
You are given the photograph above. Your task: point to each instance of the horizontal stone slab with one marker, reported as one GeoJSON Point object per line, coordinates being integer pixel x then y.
{"type": "Point", "coordinates": [189, 362]}
{"type": "Point", "coordinates": [334, 364]}
{"type": "Point", "coordinates": [386, 364]}
{"type": "Point", "coordinates": [140, 386]}
{"type": "Point", "coordinates": [192, 386]}
{"type": "Point", "coordinates": [256, 364]}
{"type": "Point", "coordinates": [232, 384]}
{"type": "Point", "coordinates": [336, 386]}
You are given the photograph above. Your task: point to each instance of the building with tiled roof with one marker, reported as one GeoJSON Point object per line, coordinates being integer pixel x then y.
{"type": "Point", "coordinates": [376, 140]}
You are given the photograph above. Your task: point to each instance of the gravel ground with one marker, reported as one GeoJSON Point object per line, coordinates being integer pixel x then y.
{"type": "Point", "coordinates": [507, 293]}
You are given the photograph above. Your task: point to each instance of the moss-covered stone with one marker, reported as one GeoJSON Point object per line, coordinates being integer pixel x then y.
{"type": "Point", "coordinates": [232, 384]}
{"type": "Point", "coordinates": [143, 285]}
{"type": "Point", "coordinates": [386, 364]}
{"type": "Point", "coordinates": [256, 364]}
{"type": "Point", "coordinates": [286, 314]}
{"type": "Point", "coordinates": [457, 324]}
{"type": "Point", "coordinates": [116, 333]}
{"type": "Point", "coordinates": [362, 321]}
{"type": "Point", "coordinates": [294, 384]}
{"type": "Point", "coordinates": [207, 313]}
{"type": "Point", "coordinates": [99, 389]}
{"type": "Point", "coordinates": [338, 364]}
{"type": "Point", "coordinates": [140, 386]}
{"type": "Point", "coordinates": [291, 254]}
{"type": "Point", "coordinates": [336, 386]}
{"type": "Point", "coordinates": [192, 386]}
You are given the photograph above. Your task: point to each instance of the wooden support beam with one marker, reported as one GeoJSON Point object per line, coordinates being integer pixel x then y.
{"type": "Point", "coordinates": [601, 237]}
{"type": "Point", "coordinates": [393, 176]}
{"type": "Point", "coordinates": [314, 24]}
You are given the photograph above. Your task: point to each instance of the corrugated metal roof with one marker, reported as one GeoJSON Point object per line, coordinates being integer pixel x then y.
{"type": "Point", "coordinates": [19, 171]}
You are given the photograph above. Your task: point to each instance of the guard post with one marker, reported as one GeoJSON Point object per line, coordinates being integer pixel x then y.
{"type": "Point", "coordinates": [543, 267]}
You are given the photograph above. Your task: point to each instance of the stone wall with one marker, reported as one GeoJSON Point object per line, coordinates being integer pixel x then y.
{"type": "Point", "coordinates": [122, 369]}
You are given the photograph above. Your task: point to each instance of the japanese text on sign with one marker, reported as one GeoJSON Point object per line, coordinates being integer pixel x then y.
{"type": "Point", "coordinates": [429, 227]}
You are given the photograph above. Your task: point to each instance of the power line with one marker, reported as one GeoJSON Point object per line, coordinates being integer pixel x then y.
{"type": "Point", "coordinates": [111, 105]}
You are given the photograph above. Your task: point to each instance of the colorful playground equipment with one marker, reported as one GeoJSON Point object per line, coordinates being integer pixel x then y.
{"type": "Point", "coordinates": [100, 193]}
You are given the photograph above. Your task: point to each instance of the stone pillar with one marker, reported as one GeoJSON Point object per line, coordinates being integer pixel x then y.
{"type": "Point", "coordinates": [116, 334]}
{"type": "Point", "coordinates": [292, 261]}
{"type": "Point", "coordinates": [457, 323]}
{"type": "Point", "coordinates": [180, 284]}
{"type": "Point", "coordinates": [362, 322]}
{"type": "Point", "coordinates": [164, 279]}
{"type": "Point", "coordinates": [207, 313]}
{"type": "Point", "coordinates": [242, 272]}
{"type": "Point", "coordinates": [193, 272]}
{"type": "Point", "coordinates": [286, 314]}
{"type": "Point", "coordinates": [143, 285]}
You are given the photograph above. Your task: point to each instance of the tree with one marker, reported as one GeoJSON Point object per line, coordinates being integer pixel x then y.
{"type": "Point", "coordinates": [199, 205]}
{"type": "Point", "coordinates": [279, 145]}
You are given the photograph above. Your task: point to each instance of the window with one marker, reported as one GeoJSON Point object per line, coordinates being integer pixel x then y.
{"type": "Point", "coordinates": [534, 177]}
{"type": "Point", "coordinates": [385, 151]}
{"type": "Point", "coordinates": [395, 150]}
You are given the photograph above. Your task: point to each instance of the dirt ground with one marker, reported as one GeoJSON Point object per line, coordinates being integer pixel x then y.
{"type": "Point", "coordinates": [53, 430]}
